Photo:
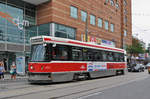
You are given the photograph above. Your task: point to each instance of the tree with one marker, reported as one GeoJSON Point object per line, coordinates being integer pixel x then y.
{"type": "Point", "coordinates": [136, 47]}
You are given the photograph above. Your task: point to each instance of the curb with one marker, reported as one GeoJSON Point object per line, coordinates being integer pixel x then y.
{"type": "Point", "coordinates": [6, 79]}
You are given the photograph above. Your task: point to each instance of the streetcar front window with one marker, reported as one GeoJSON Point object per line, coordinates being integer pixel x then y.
{"type": "Point", "coordinates": [40, 53]}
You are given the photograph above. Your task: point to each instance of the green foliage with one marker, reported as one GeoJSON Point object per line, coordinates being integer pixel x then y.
{"type": "Point", "coordinates": [135, 48]}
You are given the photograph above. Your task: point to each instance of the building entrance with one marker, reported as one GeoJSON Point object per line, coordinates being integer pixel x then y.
{"type": "Point", "coordinates": [7, 58]}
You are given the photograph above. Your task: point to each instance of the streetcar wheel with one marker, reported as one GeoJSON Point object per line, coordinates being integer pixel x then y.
{"type": "Point", "coordinates": [122, 72]}
{"type": "Point", "coordinates": [75, 77]}
{"type": "Point", "coordinates": [88, 77]}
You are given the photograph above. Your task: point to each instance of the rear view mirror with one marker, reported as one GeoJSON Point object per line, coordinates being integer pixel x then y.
{"type": "Point", "coordinates": [54, 45]}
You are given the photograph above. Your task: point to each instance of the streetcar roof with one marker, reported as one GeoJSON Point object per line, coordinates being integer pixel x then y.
{"type": "Point", "coordinates": [64, 41]}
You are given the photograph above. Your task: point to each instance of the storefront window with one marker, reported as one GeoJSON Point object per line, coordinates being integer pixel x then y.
{"type": "Point", "coordinates": [2, 33]}
{"type": "Point", "coordinates": [30, 32]}
{"type": "Point", "coordinates": [44, 29]}
{"type": "Point", "coordinates": [15, 16]}
{"type": "Point", "coordinates": [64, 31]}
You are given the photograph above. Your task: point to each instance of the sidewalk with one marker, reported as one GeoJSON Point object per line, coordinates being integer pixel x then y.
{"type": "Point", "coordinates": [18, 77]}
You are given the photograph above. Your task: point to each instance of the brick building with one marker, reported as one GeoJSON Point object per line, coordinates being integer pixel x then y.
{"type": "Point", "coordinates": [107, 22]}
{"type": "Point", "coordinates": [107, 19]}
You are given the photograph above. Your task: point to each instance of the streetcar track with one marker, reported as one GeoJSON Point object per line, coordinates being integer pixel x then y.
{"type": "Point", "coordinates": [50, 89]}
{"type": "Point", "coordinates": [6, 88]}
{"type": "Point", "coordinates": [101, 87]}
{"type": "Point", "coordinates": [59, 89]}
{"type": "Point", "coordinates": [71, 86]}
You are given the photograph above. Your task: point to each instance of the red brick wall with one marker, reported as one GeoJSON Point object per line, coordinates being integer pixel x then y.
{"type": "Point", "coordinates": [58, 11]}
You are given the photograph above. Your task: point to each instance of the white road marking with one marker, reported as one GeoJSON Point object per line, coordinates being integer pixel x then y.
{"type": "Point", "coordinates": [84, 97]}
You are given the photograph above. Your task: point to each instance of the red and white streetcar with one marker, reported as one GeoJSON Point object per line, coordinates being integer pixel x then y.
{"type": "Point", "coordinates": [56, 59]}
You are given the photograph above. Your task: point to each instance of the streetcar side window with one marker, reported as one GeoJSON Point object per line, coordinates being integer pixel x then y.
{"type": "Point", "coordinates": [116, 57]}
{"type": "Point", "coordinates": [88, 54]}
{"type": "Point", "coordinates": [98, 56]}
{"type": "Point", "coordinates": [60, 52]}
{"type": "Point", "coordinates": [40, 53]}
{"type": "Point", "coordinates": [110, 56]}
{"type": "Point", "coordinates": [105, 56]}
{"type": "Point", "coordinates": [121, 57]}
{"type": "Point", "coordinates": [77, 54]}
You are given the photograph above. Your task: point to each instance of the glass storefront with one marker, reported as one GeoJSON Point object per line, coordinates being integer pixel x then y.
{"type": "Point", "coordinates": [65, 31]}
{"type": "Point", "coordinates": [15, 16]}
{"type": "Point", "coordinates": [18, 24]}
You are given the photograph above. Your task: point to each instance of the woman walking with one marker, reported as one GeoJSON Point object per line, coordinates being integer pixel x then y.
{"type": "Point", "coordinates": [2, 70]}
{"type": "Point", "coordinates": [13, 71]}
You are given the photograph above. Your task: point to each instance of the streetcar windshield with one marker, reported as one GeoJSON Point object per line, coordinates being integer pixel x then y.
{"type": "Point", "coordinates": [40, 53]}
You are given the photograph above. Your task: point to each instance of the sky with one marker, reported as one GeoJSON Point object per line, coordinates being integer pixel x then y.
{"type": "Point", "coordinates": [141, 19]}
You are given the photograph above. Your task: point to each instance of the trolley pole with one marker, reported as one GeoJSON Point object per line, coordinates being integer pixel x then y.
{"type": "Point", "coordinates": [86, 30]}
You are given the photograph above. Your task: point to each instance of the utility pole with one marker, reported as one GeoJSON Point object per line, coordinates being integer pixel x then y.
{"type": "Point", "coordinates": [86, 30]}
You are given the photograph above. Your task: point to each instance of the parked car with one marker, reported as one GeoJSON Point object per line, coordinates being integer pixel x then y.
{"type": "Point", "coordinates": [148, 67]}
{"type": "Point", "coordinates": [138, 68]}
{"type": "Point", "coordinates": [130, 66]}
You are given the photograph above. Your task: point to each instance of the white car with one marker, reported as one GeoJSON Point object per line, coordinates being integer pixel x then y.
{"type": "Point", "coordinates": [147, 65]}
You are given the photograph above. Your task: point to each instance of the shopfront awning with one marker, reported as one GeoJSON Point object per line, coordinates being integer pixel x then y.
{"type": "Point", "coordinates": [35, 2]}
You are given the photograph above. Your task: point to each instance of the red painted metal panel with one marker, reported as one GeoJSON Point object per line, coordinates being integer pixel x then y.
{"type": "Point", "coordinates": [57, 67]}
{"type": "Point", "coordinates": [116, 65]}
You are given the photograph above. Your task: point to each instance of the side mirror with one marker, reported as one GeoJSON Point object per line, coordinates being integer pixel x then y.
{"type": "Point", "coordinates": [54, 45]}
{"type": "Point", "coordinates": [44, 44]}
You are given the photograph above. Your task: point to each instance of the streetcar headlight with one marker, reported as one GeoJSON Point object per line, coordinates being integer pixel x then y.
{"type": "Point", "coordinates": [31, 67]}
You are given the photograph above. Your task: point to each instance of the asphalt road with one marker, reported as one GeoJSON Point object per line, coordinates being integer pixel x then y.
{"type": "Point", "coordinates": [129, 86]}
{"type": "Point", "coordinates": [135, 90]}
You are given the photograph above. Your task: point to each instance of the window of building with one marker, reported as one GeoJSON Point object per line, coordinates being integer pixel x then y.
{"type": "Point", "coordinates": [2, 33]}
{"type": "Point", "coordinates": [112, 27]}
{"type": "Point", "coordinates": [64, 31]}
{"type": "Point", "coordinates": [106, 25]}
{"type": "Point", "coordinates": [117, 5]}
{"type": "Point", "coordinates": [73, 12]}
{"type": "Point", "coordinates": [30, 32]}
{"type": "Point", "coordinates": [125, 32]}
{"type": "Point", "coordinates": [112, 2]}
{"type": "Point", "coordinates": [83, 16]}
{"type": "Point", "coordinates": [106, 1]}
{"type": "Point", "coordinates": [125, 11]}
{"type": "Point", "coordinates": [125, 2]}
{"type": "Point", "coordinates": [100, 22]}
{"type": "Point", "coordinates": [125, 20]}
{"type": "Point", "coordinates": [23, 15]}
{"type": "Point", "coordinates": [44, 29]}
{"type": "Point", "coordinates": [92, 19]}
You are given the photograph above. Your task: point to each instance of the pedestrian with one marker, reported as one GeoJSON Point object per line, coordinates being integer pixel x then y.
{"type": "Point", "coordinates": [13, 71]}
{"type": "Point", "coordinates": [5, 63]}
{"type": "Point", "coordinates": [2, 70]}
